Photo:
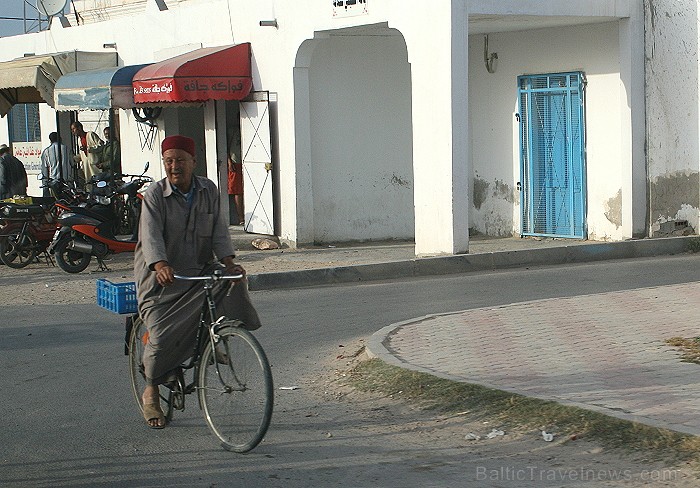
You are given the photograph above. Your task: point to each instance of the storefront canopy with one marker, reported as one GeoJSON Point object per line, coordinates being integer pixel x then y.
{"type": "Point", "coordinates": [213, 73]}
{"type": "Point", "coordinates": [96, 89]}
{"type": "Point", "coordinates": [31, 79]}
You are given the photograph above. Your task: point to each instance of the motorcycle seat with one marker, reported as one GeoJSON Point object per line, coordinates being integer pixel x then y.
{"type": "Point", "coordinates": [12, 211]}
{"type": "Point", "coordinates": [43, 201]}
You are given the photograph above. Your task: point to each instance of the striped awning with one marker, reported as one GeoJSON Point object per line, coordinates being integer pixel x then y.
{"type": "Point", "coordinates": [98, 89]}
{"type": "Point", "coordinates": [31, 79]}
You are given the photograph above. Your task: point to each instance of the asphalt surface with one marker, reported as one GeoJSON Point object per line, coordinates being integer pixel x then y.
{"type": "Point", "coordinates": [56, 351]}
{"type": "Point", "coordinates": [605, 352]}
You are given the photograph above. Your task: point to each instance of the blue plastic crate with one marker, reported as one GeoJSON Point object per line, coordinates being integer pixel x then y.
{"type": "Point", "coordinates": [116, 297]}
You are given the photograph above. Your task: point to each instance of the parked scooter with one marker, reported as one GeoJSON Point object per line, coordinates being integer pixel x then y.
{"type": "Point", "coordinates": [89, 230]}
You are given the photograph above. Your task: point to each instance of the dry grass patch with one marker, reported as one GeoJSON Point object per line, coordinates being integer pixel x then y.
{"type": "Point", "coordinates": [519, 412]}
{"type": "Point", "coordinates": [690, 348]}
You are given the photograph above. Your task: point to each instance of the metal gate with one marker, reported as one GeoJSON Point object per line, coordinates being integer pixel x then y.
{"type": "Point", "coordinates": [256, 151]}
{"type": "Point", "coordinates": [552, 155]}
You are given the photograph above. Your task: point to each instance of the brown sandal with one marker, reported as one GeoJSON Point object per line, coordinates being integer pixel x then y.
{"type": "Point", "coordinates": [152, 411]}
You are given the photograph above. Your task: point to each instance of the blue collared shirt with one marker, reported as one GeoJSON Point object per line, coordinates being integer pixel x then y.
{"type": "Point", "coordinates": [189, 196]}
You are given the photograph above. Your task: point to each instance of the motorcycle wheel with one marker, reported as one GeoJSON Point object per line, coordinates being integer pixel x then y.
{"type": "Point", "coordinates": [17, 250]}
{"type": "Point", "coordinates": [69, 260]}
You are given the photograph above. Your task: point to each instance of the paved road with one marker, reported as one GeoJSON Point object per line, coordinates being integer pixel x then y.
{"type": "Point", "coordinates": [69, 419]}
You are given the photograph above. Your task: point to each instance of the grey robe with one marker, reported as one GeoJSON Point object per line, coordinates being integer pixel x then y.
{"type": "Point", "coordinates": [191, 240]}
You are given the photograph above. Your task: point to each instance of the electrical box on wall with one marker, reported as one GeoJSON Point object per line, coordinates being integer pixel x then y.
{"type": "Point", "coordinates": [349, 8]}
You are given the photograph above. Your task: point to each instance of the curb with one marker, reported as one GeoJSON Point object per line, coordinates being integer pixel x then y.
{"type": "Point", "coordinates": [467, 263]}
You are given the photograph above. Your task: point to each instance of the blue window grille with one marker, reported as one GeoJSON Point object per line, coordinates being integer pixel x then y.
{"type": "Point", "coordinates": [23, 123]}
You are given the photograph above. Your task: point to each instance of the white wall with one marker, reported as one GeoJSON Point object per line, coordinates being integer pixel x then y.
{"type": "Point", "coordinates": [139, 144]}
{"type": "Point", "coordinates": [438, 85]}
{"type": "Point", "coordinates": [493, 100]}
{"type": "Point", "coordinates": [673, 116]}
{"type": "Point", "coordinates": [583, 8]}
{"type": "Point", "coordinates": [360, 95]}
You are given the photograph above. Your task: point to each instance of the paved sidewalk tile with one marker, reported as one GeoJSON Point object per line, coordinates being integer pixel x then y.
{"type": "Point", "coordinates": [604, 352]}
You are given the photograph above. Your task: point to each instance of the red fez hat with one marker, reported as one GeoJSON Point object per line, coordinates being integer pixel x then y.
{"type": "Point", "coordinates": [178, 142]}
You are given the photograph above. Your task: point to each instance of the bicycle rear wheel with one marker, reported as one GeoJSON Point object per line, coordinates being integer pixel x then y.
{"type": "Point", "coordinates": [137, 342]}
{"type": "Point", "coordinates": [235, 389]}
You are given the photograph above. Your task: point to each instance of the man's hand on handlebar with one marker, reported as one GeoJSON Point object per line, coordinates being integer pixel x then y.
{"type": "Point", "coordinates": [165, 274]}
{"type": "Point", "coordinates": [231, 267]}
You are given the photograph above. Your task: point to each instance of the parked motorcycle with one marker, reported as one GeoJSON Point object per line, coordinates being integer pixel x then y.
{"type": "Point", "coordinates": [27, 229]}
{"type": "Point", "coordinates": [89, 230]}
{"type": "Point", "coordinates": [126, 202]}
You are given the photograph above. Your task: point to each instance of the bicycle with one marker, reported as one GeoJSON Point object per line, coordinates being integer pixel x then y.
{"type": "Point", "coordinates": [231, 375]}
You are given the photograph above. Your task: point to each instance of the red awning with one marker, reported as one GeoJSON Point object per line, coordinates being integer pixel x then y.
{"type": "Point", "coordinates": [211, 73]}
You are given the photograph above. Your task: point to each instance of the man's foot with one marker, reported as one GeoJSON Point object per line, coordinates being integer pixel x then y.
{"type": "Point", "coordinates": [155, 418]}
{"type": "Point", "coordinates": [152, 413]}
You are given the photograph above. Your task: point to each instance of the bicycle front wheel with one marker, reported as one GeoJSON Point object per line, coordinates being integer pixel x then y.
{"type": "Point", "coordinates": [235, 389]}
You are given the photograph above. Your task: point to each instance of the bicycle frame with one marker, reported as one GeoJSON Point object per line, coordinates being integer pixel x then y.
{"type": "Point", "coordinates": [208, 309]}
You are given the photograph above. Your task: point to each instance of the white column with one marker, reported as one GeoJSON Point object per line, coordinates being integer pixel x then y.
{"type": "Point", "coordinates": [221, 155]}
{"type": "Point", "coordinates": [439, 75]}
{"type": "Point", "coordinates": [302, 219]}
{"type": "Point", "coordinates": [210, 149]}
{"type": "Point", "coordinates": [634, 166]}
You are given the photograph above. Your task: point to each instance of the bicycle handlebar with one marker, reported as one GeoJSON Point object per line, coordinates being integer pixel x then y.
{"type": "Point", "coordinates": [213, 277]}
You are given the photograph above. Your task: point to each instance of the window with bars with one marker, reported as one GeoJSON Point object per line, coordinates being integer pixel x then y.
{"type": "Point", "coordinates": [24, 125]}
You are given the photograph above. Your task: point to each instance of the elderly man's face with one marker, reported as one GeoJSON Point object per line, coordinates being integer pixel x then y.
{"type": "Point", "coordinates": [179, 168]}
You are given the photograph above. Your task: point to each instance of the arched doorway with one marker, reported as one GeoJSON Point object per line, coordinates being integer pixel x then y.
{"type": "Point", "coordinates": [353, 100]}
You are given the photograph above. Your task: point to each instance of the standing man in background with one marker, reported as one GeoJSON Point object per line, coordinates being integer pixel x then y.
{"type": "Point", "coordinates": [56, 163]}
{"type": "Point", "coordinates": [13, 176]}
{"type": "Point", "coordinates": [109, 154]}
{"type": "Point", "coordinates": [88, 140]}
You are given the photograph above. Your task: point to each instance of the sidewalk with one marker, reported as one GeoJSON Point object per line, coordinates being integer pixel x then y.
{"type": "Point", "coordinates": [287, 268]}
{"type": "Point", "coordinates": [593, 359]}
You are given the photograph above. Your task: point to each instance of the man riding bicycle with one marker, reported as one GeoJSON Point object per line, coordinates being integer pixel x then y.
{"type": "Point", "coordinates": [181, 231]}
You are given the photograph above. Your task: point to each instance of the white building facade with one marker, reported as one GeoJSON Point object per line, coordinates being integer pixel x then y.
{"type": "Point", "coordinates": [421, 121]}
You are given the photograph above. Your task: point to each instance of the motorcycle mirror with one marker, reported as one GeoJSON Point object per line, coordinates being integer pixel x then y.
{"type": "Point", "coordinates": [101, 184]}
{"type": "Point", "coordinates": [145, 168]}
